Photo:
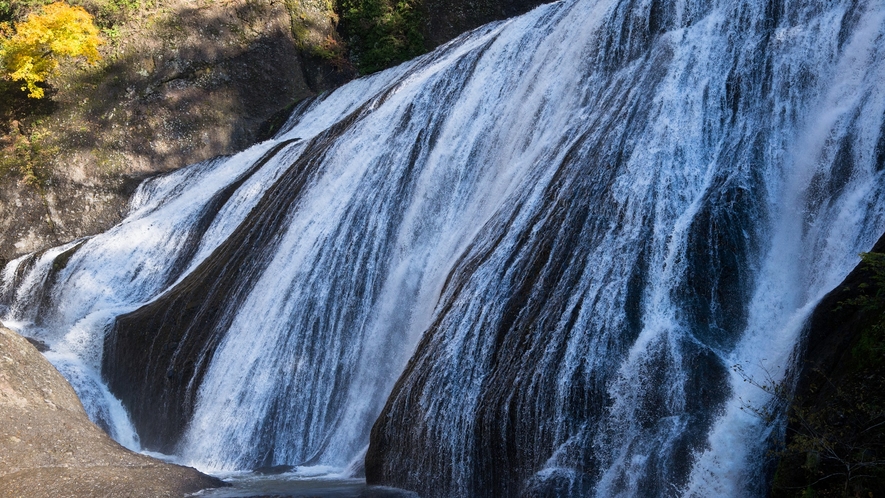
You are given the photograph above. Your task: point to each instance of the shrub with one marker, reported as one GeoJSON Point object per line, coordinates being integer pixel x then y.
{"type": "Point", "coordinates": [31, 53]}
{"type": "Point", "coordinates": [836, 443]}
{"type": "Point", "coordinates": [382, 33]}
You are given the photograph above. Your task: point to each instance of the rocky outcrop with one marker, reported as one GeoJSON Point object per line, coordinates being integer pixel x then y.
{"type": "Point", "coordinates": [49, 448]}
{"type": "Point", "coordinates": [32, 218]}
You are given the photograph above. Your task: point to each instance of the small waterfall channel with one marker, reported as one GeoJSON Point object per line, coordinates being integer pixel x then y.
{"type": "Point", "coordinates": [523, 264]}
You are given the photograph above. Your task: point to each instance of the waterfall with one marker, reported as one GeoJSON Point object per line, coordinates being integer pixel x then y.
{"type": "Point", "coordinates": [523, 264]}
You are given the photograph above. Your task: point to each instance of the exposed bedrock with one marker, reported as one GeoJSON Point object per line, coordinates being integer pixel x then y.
{"type": "Point", "coordinates": [49, 448]}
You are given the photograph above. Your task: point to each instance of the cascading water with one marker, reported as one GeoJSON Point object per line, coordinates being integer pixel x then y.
{"type": "Point", "coordinates": [543, 246]}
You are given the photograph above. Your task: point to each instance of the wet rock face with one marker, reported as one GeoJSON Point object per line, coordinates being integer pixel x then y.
{"type": "Point", "coordinates": [48, 448]}
{"type": "Point", "coordinates": [156, 356]}
{"type": "Point", "coordinates": [834, 328]}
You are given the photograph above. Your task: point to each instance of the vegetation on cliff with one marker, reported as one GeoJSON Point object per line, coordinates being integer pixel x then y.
{"type": "Point", "coordinates": [835, 444]}
{"type": "Point", "coordinates": [382, 33]}
{"type": "Point", "coordinates": [31, 52]}
{"type": "Point", "coordinates": [181, 81]}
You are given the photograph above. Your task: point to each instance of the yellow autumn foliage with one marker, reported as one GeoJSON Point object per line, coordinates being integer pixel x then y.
{"type": "Point", "coordinates": [31, 54]}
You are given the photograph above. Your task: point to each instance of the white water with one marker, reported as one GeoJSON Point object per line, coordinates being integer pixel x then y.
{"type": "Point", "coordinates": [444, 149]}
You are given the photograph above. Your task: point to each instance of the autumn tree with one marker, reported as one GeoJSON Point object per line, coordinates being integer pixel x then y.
{"type": "Point", "coordinates": [30, 52]}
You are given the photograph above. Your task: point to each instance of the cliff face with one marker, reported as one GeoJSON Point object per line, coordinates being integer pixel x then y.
{"type": "Point", "coordinates": [835, 443]}
{"type": "Point", "coordinates": [181, 81]}
{"type": "Point", "coordinates": [49, 448]}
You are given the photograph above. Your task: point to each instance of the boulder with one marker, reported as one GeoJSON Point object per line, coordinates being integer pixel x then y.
{"type": "Point", "coordinates": [49, 448]}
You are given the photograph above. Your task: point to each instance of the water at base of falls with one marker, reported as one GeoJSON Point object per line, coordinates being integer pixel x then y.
{"type": "Point", "coordinates": [302, 483]}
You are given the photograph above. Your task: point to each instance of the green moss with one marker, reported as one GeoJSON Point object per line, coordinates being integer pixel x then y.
{"type": "Point", "coordinates": [61, 261]}
{"type": "Point", "coordinates": [107, 12]}
{"type": "Point", "coordinates": [809, 493]}
{"type": "Point", "coordinates": [273, 124]}
{"type": "Point", "coordinates": [110, 13]}
{"type": "Point", "coordinates": [16, 10]}
{"type": "Point", "coordinates": [27, 155]}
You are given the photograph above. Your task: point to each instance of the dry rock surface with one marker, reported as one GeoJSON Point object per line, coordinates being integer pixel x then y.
{"type": "Point", "coordinates": [49, 448]}
{"type": "Point", "coordinates": [180, 81]}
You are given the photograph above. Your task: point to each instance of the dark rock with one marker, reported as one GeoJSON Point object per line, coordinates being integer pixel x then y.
{"type": "Point", "coordinates": [447, 19]}
{"type": "Point", "coordinates": [38, 344]}
{"type": "Point", "coordinates": [155, 356]}
{"type": "Point", "coordinates": [837, 415]}
{"type": "Point", "coordinates": [832, 330]}
{"type": "Point", "coordinates": [272, 470]}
